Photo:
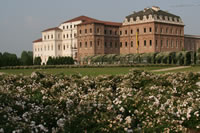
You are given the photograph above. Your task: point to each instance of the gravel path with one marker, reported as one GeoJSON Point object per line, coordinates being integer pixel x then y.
{"type": "Point", "coordinates": [172, 68]}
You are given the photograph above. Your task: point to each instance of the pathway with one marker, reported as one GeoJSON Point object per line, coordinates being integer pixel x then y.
{"type": "Point", "coordinates": [171, 68]}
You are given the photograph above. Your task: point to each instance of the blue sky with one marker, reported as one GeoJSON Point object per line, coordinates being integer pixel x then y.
{"type": "Point", "coordinates": [21, 21]}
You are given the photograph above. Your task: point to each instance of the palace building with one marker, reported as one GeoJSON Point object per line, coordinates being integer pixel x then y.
{"type": "Point", "coordinates": [59, 41]}
{"type": "Point", "coordinates": [146, 31]}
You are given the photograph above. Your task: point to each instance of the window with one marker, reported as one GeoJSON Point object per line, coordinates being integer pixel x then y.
{"type": "Point", "coordinates": [105, 45]}
{"type": "Point", "coordinates": [150, 30]}
{"type": "Point", "coordinates": [180, 32]}
{"type": "Point", "coordinates": [59, 47]}
{"type": "Point", "coordinates": [80, 44]}
{"type": "Point", "coordinates": [166, 30]}
{"type": "Point", "coordinates": [131, 31]}
{"type": "Point", "coordinates": [171, 31]}
{"type": "Point", "coordinates": [167, 43]}
{"type": "Point", "coordinates": [161, 43]}
{"type": "Point", "coordinates": [48, 47]}
{"type": "Point", "coordinates": [161, 30]}
{"type": "Point", "coordinates": [98, 30]}
{"type": "Point", "coordinates": [63, 47]}
{"type": "Point", "coordinates": [67, 27]}
{"type": "Point", "coordinates": [74, 34]}
{"type": "Point", "coordinates": [90, 30]}
{"type": "Point", "coordinates": [48, 36]}
{"type": "Point", "coordinates": [51, 36]}
{"type": "Point", "coordinates": [125, 32]}
{"type": "Point", "coordinates": [120, 32]}
{"type": "Point", "coordinates": [98, 43]}
{"type": "Point", "coordinates": [67, 36]}
{"type": "Point", "coordinates": [58, 36]}
{"type": "Point", "coordinates": [156, 29]}
{"type": "Point", "coordinates": [85, 31]}
{"type": "Point", "coordinates": [90, 43]}
{"type": "Point", "coordinates": [63, 27]}
{"type": "Point", "coordinates": [80, 31]}
{"type": "Point", "coordinates": [70, 26]}
{"type": "Point", "coordinates": [105, 32]}
{"type": "Point", "coordinates": [86, 44]}
{"type": "Point", "coordinates": [120, 44]}
{"type": "Point", "coordinates": [110, 44]}
{"type": "Point", "coordinates": [176, 31]}
{"type": "Point", "coordinates": [63, 35]}
{"type": "Point", "coordinates": [126, 44]}
{"type": "Point", "coordinates": [110, 32]}
{"type": "Point", "coordinates": [144, 30]}
{"type": "Point", "coordinates": [150, 43]}
{"type": "Point", "coordinates": [131, 43]}
{"type": "Point", "coordinates": [138, 31]}
{"type": "Point", "coordinates": [51, 47]}
{"type": "Point", "coordinates": [115, 32]}
{"type": "Point", "coordinates": [180, 44]}
{"type": "Point", "coordinates": [176, 43]}
{"type": "Point", "coordinates": [115, 44]}
{"type": "Point", "coordinates": [145, 43]}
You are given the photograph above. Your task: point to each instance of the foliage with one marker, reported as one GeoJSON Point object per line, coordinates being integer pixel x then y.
{"type": "Point", "coordinates": [179, 58]}
{"type": "Point", "coordinates": [60, 61]}
{"type": "Point", "coordinates": [8, 59]}
{"type": "Point", "coordinates": [27, 58]}
{"type": "Point", "coordinates": [37, 61]}
{"type": "Point", "coordinates": [138, 101]}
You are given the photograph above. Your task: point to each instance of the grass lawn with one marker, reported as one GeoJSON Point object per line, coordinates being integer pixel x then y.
{"type": "Point", "coordinates": [82, 71]}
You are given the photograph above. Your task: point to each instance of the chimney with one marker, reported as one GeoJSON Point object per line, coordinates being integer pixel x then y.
{"type": "Point", "coordinates": [155, 8]}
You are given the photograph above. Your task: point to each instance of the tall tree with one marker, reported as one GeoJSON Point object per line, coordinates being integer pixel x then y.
{"type": "Point", "coordinates": [27, 58]}
{"type": "Point", "coordinates": [37, 61]}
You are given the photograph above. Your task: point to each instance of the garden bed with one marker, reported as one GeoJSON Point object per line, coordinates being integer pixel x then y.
{"type": "Point", "coordinates": [139, 102]}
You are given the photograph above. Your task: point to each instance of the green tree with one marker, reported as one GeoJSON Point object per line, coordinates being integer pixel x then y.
{"type": "Point", "coordinates": [27, 58]}
{"type": "Point", "coordinates": [37, 61]}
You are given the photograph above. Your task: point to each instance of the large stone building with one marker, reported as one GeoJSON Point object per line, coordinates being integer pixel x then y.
{"type": "Point", "coordinates": [59, 41]}
{"type": "Point", "coordinates": [149, 30]}
{"type": "Point", "coordinates": [98, 38]}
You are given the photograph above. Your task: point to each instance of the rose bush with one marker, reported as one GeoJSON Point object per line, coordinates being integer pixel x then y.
{"type": "Point", "coordinates": [138, 102]}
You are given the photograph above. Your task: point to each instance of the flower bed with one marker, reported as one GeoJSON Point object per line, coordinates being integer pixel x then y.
{"type": "Point", "coordinates": [137, 102]}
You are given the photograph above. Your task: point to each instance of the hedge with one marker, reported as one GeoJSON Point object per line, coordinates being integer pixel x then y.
{"type": "Point", "coordinates": [178, 58]}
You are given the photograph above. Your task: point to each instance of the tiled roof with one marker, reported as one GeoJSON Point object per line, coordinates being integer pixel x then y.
{"type": "Point", "coordinates": [102, 22]}
{"type": "Point", "coordinates": [38, 40]}
{"type": "Point", "coordinates": [150, 11]}
{"type": "Point", "coordinates": [192, 36]}
{"type": "Point", "coordinates": [55, 28]}
{"type": "Point", "coordinates": [80, 18]}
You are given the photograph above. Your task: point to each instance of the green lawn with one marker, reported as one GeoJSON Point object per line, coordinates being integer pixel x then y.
{"type": "Point", "coordinates": [82, 71]}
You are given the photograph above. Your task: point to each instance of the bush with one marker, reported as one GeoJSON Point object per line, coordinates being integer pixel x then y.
{"type": "Point", "coordinates": [138, 101]}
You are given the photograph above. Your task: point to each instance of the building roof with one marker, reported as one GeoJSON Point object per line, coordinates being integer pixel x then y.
{"type": "Point", "coordinates": [80, 18]}
{"type": "Point", "coordinates": [38, 40]}
{"type": "Point", "coordinates": [54, 28]}
{"type": "Point", "coordinates": [151, 11]}
{"type": "Point", "coordinates": [102, 22]}
{"type": "Point", "coordinates": [192, 36]}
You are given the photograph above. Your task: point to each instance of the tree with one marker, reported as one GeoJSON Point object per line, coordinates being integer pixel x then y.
{"type": "Point", "coordinates": [37, 61]}
{"type": "Point", "coordinates": [27, 58]}
{"type": "Point", "coordinates": [60, 61]}
{"type": "Point", "coordinates": [8, 59]}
